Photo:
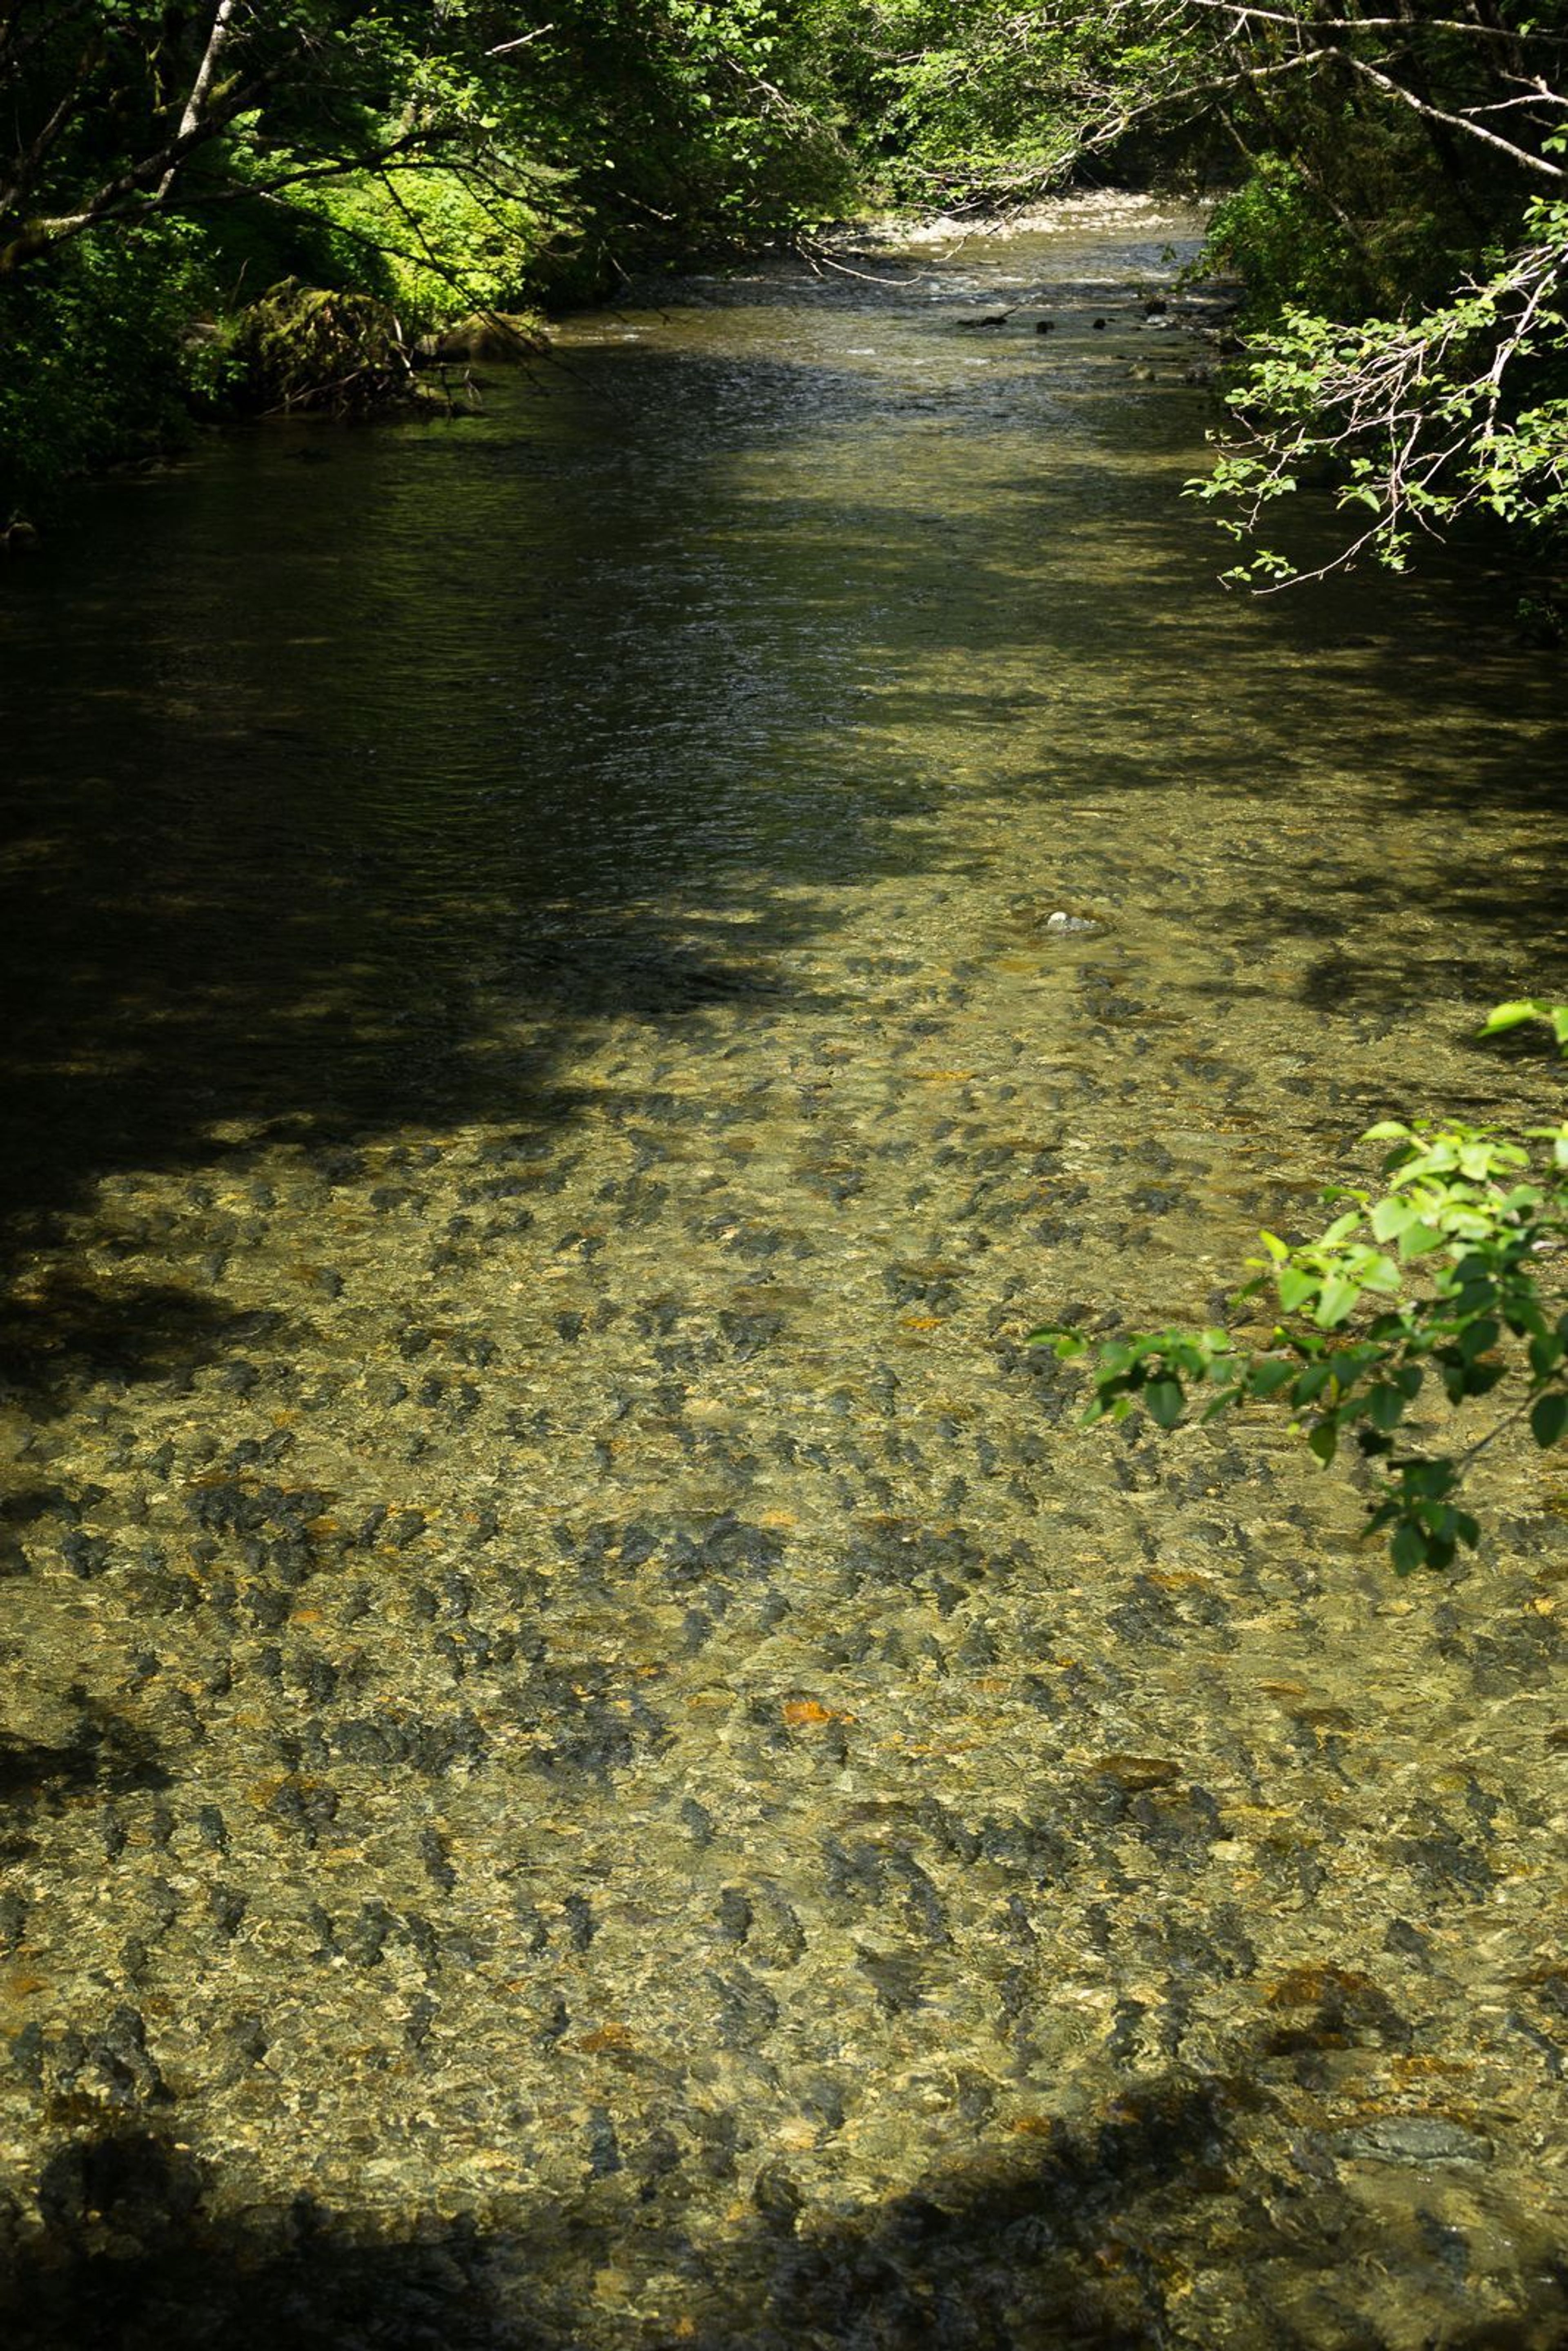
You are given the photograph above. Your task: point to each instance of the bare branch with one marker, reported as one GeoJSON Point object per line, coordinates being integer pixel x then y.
{"type": "Point", "coordinates": [145, 188]}
{"type": "Point", "coordinates": [525, 40]}
{"type": "Point", "coordinates": [1523, 156]}
{"type": "Point", "coordinates": [31, 163]}
{"type": "Point", "coordinates": [1317, 27]}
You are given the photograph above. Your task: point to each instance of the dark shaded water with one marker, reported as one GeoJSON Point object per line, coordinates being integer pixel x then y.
{"type": "Point", "coordinates": [577, 1700]}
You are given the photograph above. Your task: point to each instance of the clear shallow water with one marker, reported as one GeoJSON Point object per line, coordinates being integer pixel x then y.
{"type": "Point", "coordinates": [576, 1698]}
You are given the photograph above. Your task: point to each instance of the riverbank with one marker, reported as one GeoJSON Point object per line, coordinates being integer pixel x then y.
{"type": "Point", "coordinates": [134, 373]}
{"type": "Point", "coordinates": [143, 386]}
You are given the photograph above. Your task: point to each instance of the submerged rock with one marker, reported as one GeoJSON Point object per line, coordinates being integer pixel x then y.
{"type": "Point", "coordinates": [1415, 2139]}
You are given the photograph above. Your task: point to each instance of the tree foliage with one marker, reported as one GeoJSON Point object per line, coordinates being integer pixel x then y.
{"type": "Point", "coordinates": [1399, 204]}
{"type": "Point", "coordinates": [689, 111]}
{"type": "Point", "coordinates": [971, 102]}
{"type": "Point", "coordinates": [1419, 419]}
{"type": "Point", "coordinates": [1402, 229]}
{"type": "Point", "coordinates": [181, 157]}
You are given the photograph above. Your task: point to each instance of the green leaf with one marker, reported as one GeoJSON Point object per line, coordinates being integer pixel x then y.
{"type": "Point", "coordinates": [1392, 1216]}
{"type": "Point", "coordinates": [1408, 1549]}
{"type": "Point", "coordinates": [1163, 1400]}
{"type": "Point", "coordinates": [1512, 1016]}
{"type": "Point", "coordinates": [1336, 1301]}
{"type": "Point", "coordinates": [1479, 1338]}
{"type": "Point", "coordinates": [1384, 1406]}
{"type": "Point", "coordinates": [1549, 1418]}
{"type": "Point", "coordinates": [1064, 1342]}
{"type": "Point", "coordinates": [1323, 1441]}
{"type": "Point", "coordinates": [1429, 1481]}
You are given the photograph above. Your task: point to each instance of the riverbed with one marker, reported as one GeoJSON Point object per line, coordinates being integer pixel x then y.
{"type": "Point", "coordinates": [593, 1755]}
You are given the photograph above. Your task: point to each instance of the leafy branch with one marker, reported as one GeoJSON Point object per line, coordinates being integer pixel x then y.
{"type": "Point", "coordinates": [1439, 1280]}
{"type": "Point", "coordinates": [1418, 418]}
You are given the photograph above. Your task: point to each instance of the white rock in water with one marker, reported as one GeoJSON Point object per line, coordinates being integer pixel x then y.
{"type": "Point", "coordinates": [1063, 921]}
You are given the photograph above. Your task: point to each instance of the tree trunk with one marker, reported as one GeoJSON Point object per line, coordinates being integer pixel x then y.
{"type": "Point", "coordinates": [217, 41]}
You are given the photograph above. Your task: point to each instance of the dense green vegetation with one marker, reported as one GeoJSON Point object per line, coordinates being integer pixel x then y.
{"type": "Point", "coordinates": [1397, 206]}
{"type": "Point", "coordinates": [162, 166]}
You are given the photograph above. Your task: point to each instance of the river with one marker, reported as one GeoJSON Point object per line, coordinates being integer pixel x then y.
{"type": "Point", "coordinates": [593, 1755]}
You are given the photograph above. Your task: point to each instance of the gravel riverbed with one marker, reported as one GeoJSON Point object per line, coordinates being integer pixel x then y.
{"type": "Point", "coordinates": [591, 1755]}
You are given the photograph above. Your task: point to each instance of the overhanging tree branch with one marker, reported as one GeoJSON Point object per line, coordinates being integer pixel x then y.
{"type": "Point", "coordinates": [147, 188]}
{"type": "Point", "coordinates": [1525, 157]}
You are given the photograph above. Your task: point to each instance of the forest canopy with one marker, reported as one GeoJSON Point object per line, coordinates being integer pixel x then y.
{"type": "Point", "coordinates": [1393, 192]}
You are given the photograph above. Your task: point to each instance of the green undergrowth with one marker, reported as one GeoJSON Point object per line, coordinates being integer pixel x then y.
{"type": "Point", "coordinates": [125, 345]}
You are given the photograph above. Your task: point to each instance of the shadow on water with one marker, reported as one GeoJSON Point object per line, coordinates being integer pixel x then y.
{"type": "Point", "coordinates": [362, 841]}
{"type": "Point", "coordinates": [61, 1332]}
{"type": "Point", "coordinates": [103, 1751]}
{"type": "Point", "coordinates": [127, 2259]}
{"type": "Point", "coordinates": [1091, 2240]}
{"type": "Point", "coordinates": [423, 764]}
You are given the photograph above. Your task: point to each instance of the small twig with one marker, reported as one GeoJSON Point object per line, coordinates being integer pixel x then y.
{"type": "Point", "coordinates": [524, 40]}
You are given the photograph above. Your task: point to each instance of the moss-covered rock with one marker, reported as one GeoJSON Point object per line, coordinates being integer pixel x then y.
{"type": "Point", "coordinates": [318, 348]}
